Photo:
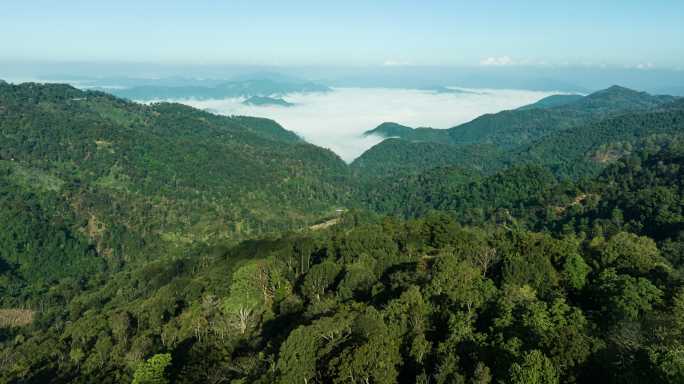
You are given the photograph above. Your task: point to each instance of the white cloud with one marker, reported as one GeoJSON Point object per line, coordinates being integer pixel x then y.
{"type": "Point", "coordinates": [395, 63]}
{"type": "Point", "coordinates": [337, 119]}
{"type": "Point", "coordinates": [502, 61]}
{"type": "Point", "coordinates": [497, 61]}
{"type": "Point", "coordinates": [648, 65]}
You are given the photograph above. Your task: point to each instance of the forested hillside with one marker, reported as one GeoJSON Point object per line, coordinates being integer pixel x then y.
{"type": "Point", "coordinates": [595, 295]}
{"type": "Point", "coordinates": [159, 243]}
{"type": "Point", "coordinates": [509, 132]}
{"type": "Point", "coordinates": [486, 180]}
{"type": "Point", "coordinates": [88, 181]}
{"type": "Point", "coordinates": [397, 157]}
{"type": "Point", "coordinates": [584, 149]}
{"type": "Point", "coordinates": [553, 101]}
{"type": "Point", "coordinates": [552, 114]}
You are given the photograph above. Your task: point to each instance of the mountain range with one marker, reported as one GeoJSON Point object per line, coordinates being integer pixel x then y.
{"type": "Point", "coordinates": [509, 131]}
{"type": "Point", "coordinates": [161, 243]}
{"type": "Point", "coordinates": [247, 88]}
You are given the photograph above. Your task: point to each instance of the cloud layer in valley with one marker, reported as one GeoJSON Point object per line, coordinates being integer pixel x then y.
{"type": "Point", "coordinates": [337, 119]}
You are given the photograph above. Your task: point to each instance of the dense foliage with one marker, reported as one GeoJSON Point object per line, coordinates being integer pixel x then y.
{"type": "Point", "coordinates": [468, 195]}
{"type": "Point", "coordinates": [546, 130]}
{"type": "Point", "coordinates": [585, 149]}
{"type": "Point", "coordinates": [84, 173]}
{"type": "Point", "coordinates": [398, 157]}
{"type": "Point", "coordinates": [382, 300]}
{"type": "Point", "coordinates": [553, 101]}
{"type": "Point", "coordinates": [121, 259]}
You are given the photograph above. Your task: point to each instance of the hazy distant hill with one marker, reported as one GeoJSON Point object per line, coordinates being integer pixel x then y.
{"type": "Point", "coordinates": [389, 130]}
{"type": "Point", "coordinates": [263, 101]}
{"type": "Point", "coordinates": [241, 88]}
{"type": "Point", "coordinates": [441, 89]}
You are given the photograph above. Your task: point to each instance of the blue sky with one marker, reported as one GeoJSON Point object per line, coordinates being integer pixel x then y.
{"type": "Point", "coordinates": [622, 33]}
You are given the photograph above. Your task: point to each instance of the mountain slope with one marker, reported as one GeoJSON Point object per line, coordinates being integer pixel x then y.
{"type": "Point", "coordinates": [394, 130]}
{"type": "Point", "coordinates": [552, 101]}
{"type": "Point", "coordinates": [394, 301]}
{"type": "Point", "coordinates": [469, 195]}
{"type": "Point", "coordinates": [135, 181]}
{"type": "Point", "coordinates": [585, 149]}
{"type": "Point", "coordinates": [394, 157]}
{"type": "Point", "coordinates": [475, 196]}
{"type": "Point", "coordinates": [509, 130]}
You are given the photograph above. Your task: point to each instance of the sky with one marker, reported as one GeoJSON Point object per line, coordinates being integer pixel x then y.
{"type": "Point", "coordinates": [621, 33]}
{"type": "Point", "coordinates": [337, 120]}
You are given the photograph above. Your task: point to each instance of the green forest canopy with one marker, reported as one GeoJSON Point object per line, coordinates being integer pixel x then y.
{"type": "Point", "coordinates": [154, 244]}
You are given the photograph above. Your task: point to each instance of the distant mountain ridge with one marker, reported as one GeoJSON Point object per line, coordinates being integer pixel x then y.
{"type": "Point", "coordinates": [552, 101]}
{"type": "Point", "coordinates": [507, 126]}
{"type": "Point", "coordinates": [263, 101]}
{"type": "Point", "coordinates": [394, 130]}
{"type": "Point", "coordinates": [506, 131]}
{"type": "Point", "coordinates": [241, 88]}
{"type": "Point", "coordinates": [439, 89]}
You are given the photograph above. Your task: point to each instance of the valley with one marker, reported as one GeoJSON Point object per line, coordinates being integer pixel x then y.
{"type": "Point", "coordinates": [132, 231]}
{"type": "Point", "coordinates": [357, 192]}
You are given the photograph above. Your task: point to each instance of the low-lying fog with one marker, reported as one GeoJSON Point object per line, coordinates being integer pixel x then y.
{"type": "Point", "coordinates": [337, 119]}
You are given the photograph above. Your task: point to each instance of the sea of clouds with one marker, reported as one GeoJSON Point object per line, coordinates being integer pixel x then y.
{"type": "Point", "coordinates": [337, 119]}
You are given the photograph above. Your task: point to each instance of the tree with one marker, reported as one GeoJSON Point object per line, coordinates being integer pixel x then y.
{"type": "Point", "coordinates": [482, 374]}
{"type": "Point", "coordinates": [669, 364]}
{"type": "Point", "coordinates": [121, 325]}
{"type": "Point", "coordinates": [441, 229]}
{"type": "Point", "coordinates": [528, 261]}
{"type": "Point", "coordinates": [624, 297]}
{"type": "Point", "coordinates": [460, 282]}
{"type": "Point", "coordinates": [568, 343]}
{"type": "Point", "coordinates": [319, 278]}
{"type": "Point", "coordinates": [629, 252]}
{"type": "Point", "coordinates": [297, 357]}
{"type": "Point", "coordinates": [535, 368]}
{"type": "Point", "coordinates": [374, 355]}
{"type": "Point", "coordinates": [299, 354]}
{"type": "Point", "coordinates": [484, 257]}
{"type": "Point", "coordinates": [246, 299]}
{"type": "Point", "coordinates": [358, 280]}
{"type": "Point", "coordinates": [678, 310]}
{"type": "Point", "coordinates": [153, 370]}
{"type": "Point", "coordinates": [575, 271]}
